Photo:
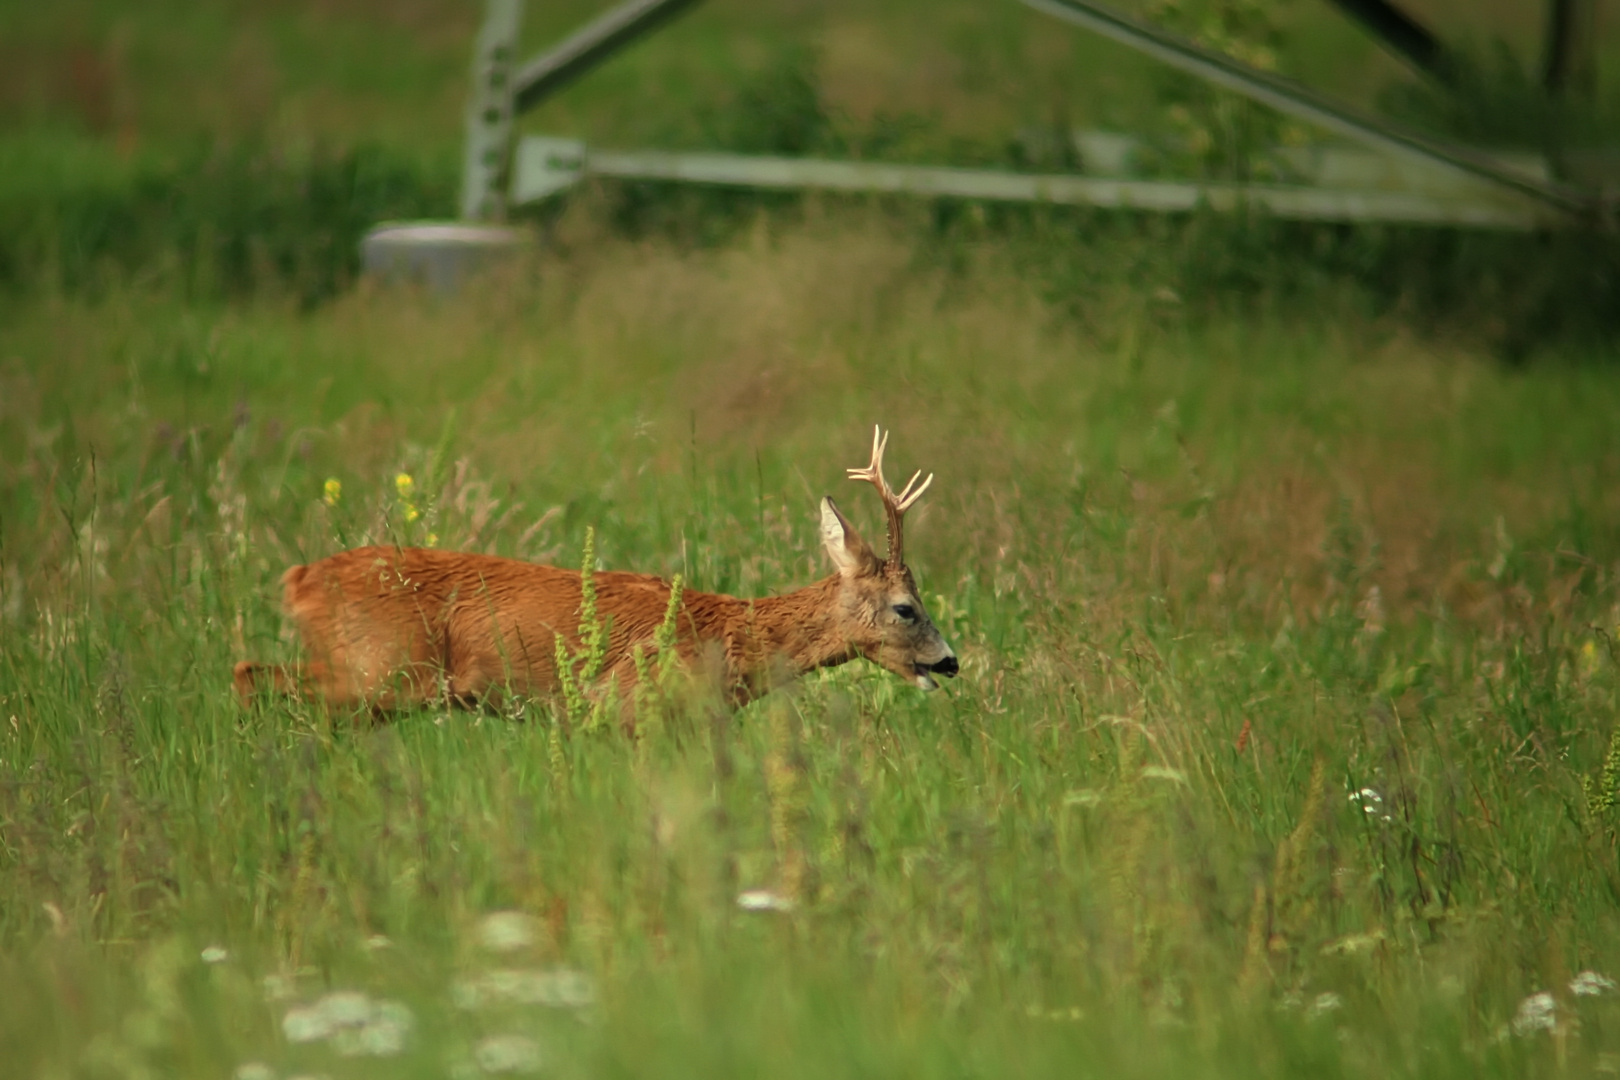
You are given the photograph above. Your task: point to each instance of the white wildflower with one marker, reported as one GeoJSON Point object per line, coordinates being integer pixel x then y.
{"type": "Point", "coordinates": [1324, 1003]}
{"type": "Point", "coordinates": [345, 1008]}
{"type": "Point", "coordinates": [1370, 801]}
{"type": "Point", "coordinates": [1538, 1012]}
{"type": "Point", "coordinates": [506, 931]}
{"type": "Point", "coordinates": [382, 1034]}
{"type": "Point", "coordinates": [1590, 984]}
{"type": "Point", "coordinates": [305, 1024]}
{"type": "Point", "coordinates": [356, 1025]}
{"type": "Point", "coordinates": [376, 942]}
{"type": "Point", "coordinates": [508, 1054]}
{"type": "Point", "coordinates": [764, 900]}
{"type": "Point", "coordinates": [557, 988]}
{"type": "Point", "coordinates": [215, 954]}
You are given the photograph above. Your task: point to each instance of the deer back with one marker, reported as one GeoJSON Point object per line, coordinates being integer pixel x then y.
{"type": "Point", "coordinates": [385, 626]}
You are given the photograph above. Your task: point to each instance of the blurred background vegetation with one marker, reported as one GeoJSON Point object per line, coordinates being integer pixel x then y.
{"type": "Point", "coordinates": [234, 146]}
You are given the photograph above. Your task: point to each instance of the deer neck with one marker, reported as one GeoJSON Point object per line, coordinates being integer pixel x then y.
{"type": "Point", "coordinates": [782, 637]}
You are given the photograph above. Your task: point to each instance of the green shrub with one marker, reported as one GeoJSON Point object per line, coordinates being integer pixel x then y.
{"type": "Point", "coordinates": [216, 222]}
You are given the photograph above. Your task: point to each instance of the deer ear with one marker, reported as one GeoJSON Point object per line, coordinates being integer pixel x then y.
{"type": "Point", "coordinates": [844, 545]}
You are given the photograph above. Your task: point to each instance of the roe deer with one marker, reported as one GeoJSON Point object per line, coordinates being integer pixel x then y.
{"type": "Point", "coordinates": [387, 626]}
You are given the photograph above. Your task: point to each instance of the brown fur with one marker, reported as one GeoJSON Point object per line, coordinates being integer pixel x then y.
{"type": "Point", "coordinates": [383, 627]}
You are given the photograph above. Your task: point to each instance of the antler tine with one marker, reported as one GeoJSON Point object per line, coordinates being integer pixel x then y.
{"type": "Point", "coordinates": [894, 506]}
{"type": "Point", "coordinates": [873, 473]}
{"type": "Point", "coordinates": [906, 497]}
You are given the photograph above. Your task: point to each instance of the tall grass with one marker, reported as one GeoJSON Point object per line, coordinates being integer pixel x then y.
{"type": "Point", "coordinates": [1288, 683]}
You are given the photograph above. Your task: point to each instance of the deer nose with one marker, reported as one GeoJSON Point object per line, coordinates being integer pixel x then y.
{"type": "Point", "coordinates": [946, 667]}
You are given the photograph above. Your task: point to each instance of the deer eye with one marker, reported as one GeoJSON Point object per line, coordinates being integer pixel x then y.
{"type": "Point", "coordinates": [905, 611]}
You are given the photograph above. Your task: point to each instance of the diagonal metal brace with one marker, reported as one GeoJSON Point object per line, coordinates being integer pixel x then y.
{"type": "Point", "coordinates": [590, 45]}
{"type": "Point", "coordinates": [1299, 101]}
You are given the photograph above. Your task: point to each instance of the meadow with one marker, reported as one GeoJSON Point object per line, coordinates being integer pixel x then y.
{"type": "Point", "coordinates": [1287, 609]}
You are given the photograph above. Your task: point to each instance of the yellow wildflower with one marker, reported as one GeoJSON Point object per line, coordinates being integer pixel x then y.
{"type": "Point", "coordinates": [1589, 657]}
{"type": "Point", "coordinates": [404, 485]}
{"type": "Point", "coordinates": [332, 491]}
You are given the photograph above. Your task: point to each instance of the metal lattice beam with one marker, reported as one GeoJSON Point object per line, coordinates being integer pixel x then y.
{"type": "Point", "coordinates": [489, 113]}
{"type": "Point", "coordinates": [1289, 97]}
{"type": "Point", "coordinates": [1570, 65]}
{"type": "Point", "coordinates": [1402, 34]}
{"type": "Point", "coordinates": [590, 45]}
{"type": "Point", "coordinates": [545, 166]}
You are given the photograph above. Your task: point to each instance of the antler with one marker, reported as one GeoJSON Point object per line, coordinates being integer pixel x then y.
{"type": "Point", "coordinates": [894, 505]}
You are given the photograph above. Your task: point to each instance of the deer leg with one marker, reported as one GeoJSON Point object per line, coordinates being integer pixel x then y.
{"type": "Point", "coordinates": [251, 677]}
{"type": "Point", "coordinates": [306, 682]}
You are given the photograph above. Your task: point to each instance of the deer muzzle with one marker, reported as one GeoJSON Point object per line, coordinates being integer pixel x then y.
{"type": "Point", "coordinates": [924, 673]}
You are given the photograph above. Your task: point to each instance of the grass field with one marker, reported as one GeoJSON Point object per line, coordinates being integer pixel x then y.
{"type": "Point", "coordinates": [1285, 741]}
{"type": "Point", "coordinates": [1205, 585]}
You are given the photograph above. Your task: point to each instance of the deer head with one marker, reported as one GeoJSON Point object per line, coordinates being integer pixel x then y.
{"type": "Point", "coordinates": [881, 612]}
